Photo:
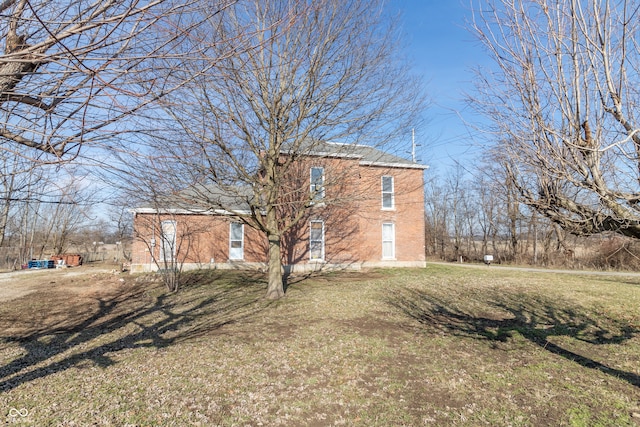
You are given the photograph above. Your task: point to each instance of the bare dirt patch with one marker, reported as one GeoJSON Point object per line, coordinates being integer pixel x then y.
{"type": "Point", "coordinates": [19, 283]}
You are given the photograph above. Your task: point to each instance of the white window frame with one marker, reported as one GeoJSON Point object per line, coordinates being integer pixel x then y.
{"type": "Point", "coordinates": [390, 194]}
{"type": "Point", "coordinates": [238, 252]}
{"type": "Point", "coordinates": [316, 188]}
{"type": "Point", "coordinates": [388, 240]}
{"type": "Point", "coordinates": [321, 241]}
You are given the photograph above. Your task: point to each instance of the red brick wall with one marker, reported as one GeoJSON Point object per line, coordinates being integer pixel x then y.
{"type": "Point", "coordinates": [200, 239]}
{"type": "Point", "coordinates": [407, 214]}
{"type": "Point", "coordinates": [352, 213]}
{"type": "Point", "coordinates": [338, 211]}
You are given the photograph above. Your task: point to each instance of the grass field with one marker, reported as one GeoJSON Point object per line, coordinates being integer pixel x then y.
{"type": "Point", "coordinates": [437, 346]}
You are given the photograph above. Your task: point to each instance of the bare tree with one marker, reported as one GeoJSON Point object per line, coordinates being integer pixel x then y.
{"type": "Point", "coordinates": [167, 248]}
{"type": "Point", "coordinates": [456, 194]}
{"type": "Point", "coordinates": [302, 73]}
{"type": "Point", "coordinates": [488, 211]}
{"type": "Point", "coordinates": [74, 73]}
{"type": "Point", "coordinates": [68, 213]}
{"type": "Point", "coordinates": [15, 181]}
{"type": "Point", "coordinates": [436, 218]}
{"type": "Point", "coordinates": [122, 227]}
{"type": "Point", "coordinates": [562, 101]}
{"type": "Point", "coordinates": [71, 69]}
{"type": "Point", "coordinates": [50, 208]}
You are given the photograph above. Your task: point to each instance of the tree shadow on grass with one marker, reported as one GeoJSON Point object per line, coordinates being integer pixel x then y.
{"type": "Point", "coordinates": [538, 319]}
{"type": "Point", "coordinates": [128, 318]}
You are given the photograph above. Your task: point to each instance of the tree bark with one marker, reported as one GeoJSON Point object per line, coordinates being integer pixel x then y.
{"type": "Point", "coordinates": [275, 288]}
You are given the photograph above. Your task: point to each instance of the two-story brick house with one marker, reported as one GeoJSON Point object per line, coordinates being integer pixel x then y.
{"type": "Point", "coordinates": [367, 210]}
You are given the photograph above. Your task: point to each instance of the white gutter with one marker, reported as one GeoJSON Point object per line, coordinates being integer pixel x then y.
{"type": "Point", "coordinates": [178, 211]}
{"type": "Point", "coordinates": [394, 165]}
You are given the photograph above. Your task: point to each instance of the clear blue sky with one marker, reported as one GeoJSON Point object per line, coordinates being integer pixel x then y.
{"type": "Point", "coordinates": [444, 52]}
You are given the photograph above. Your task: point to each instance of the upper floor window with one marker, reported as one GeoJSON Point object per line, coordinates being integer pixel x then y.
{"type": "Point", "coordinates": [388, 201]}
{"type": "Point", "coordinates": [236, 240]}
{"type": "Point", "coordinates": [317, 184]}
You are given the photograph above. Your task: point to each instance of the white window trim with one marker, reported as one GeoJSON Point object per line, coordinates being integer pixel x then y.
{"type": "Point", "coordinates": [393, 241]}
{"type": "Point", "coordinates": [322, 240]}
{"type": "Point", "coordinates": [319, 196]}
{"type": "Point", "coordinates": [392, 192]}
{"type": "Point", "coordinates": [231, 225]}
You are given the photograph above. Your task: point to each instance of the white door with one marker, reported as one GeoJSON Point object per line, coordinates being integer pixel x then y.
{"type": "Point", "coordinates": [168, 239]}
{"type": "Point", "coordinates": [388, 241]}
{"type": "Point", "coordinates": [236, 241]}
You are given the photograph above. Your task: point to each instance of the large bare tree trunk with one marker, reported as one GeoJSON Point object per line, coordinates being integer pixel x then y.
{"type": "Point", "coordinates": [275, 287]}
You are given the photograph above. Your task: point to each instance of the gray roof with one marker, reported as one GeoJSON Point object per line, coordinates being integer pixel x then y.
{"type": "Point", "coordinates": [228, 200]}
{"type": "Point", "coordinates": [367, 155]}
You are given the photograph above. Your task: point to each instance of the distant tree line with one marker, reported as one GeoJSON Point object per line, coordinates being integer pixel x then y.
{"type": "Point", "coordinates": [473, 213]}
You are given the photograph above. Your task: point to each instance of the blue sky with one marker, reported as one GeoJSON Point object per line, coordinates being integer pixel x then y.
{"type": "Point", "coordinates": [443, 52]}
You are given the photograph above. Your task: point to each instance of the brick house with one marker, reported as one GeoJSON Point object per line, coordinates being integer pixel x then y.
{"type": "Point", "coordinates": [367, 210]}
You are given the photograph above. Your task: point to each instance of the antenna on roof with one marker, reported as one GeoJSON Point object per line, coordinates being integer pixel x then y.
{"type": "Point", "coordinates": [413, 145]}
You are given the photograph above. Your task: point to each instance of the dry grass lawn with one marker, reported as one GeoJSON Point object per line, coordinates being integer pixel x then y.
{"type": "Point", "coordinates": [438, 346]}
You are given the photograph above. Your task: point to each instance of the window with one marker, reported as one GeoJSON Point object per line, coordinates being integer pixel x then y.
{"type": "Point", "coordinates": [388, 241]}
{"type": "Point", "coordinates": [317, 184]}
{"type": "Point", "coordinates": [236, 241]}
{"type": "Point", "coordinates": [387, 192]}
{"type": "Point", "coordinates": [316, 241]}
{"type": "Point", "coordinates": [168, 241]}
